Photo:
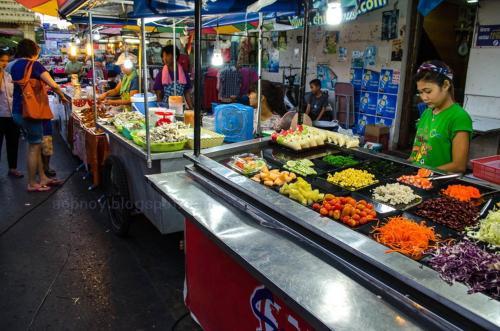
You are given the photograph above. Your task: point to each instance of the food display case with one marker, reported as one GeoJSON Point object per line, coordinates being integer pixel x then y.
{"type": "Point", "coordinates": [409, 281]}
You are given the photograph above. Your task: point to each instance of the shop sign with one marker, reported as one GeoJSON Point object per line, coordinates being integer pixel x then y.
{"type": "Point", "coordinates": [225, 296]}
{"type": "Point", "coordinates": [349, 13]}
{"type": "Point", "coordinates": [488, 36]}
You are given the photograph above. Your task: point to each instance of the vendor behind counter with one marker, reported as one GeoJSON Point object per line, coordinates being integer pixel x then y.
{"type": "Point", "coordinates": [129, 84]}
{"type": "Point", "coordinates": [444, 129]}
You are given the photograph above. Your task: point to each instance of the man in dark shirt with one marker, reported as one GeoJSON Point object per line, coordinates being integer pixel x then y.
{"type": "Point", "coordinates": [317, 101]}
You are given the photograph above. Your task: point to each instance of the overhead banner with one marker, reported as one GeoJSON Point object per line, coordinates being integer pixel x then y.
{"type": "Point", "coordinates": [351, 9]}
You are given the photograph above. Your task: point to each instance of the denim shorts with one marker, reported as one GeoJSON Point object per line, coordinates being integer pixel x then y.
{"type": "Point", "coordinates": [33, 129]}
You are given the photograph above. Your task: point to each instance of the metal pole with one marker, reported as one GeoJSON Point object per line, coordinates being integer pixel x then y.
{"type": "Point", "coordinates": [303, 71]}
{"type": "Point", "coordinates": [197, 80]}
{"type": "Point", "coordinates": [175, 60]}
{"type": "Point", "coordinates": [94, 85]}
{"type": "Point", "coordinates": [259, 73]}
{"type": "Point", "coordinates": [145, 90]}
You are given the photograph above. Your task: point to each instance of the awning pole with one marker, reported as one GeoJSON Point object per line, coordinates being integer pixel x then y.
{"type": "Point", "coordinates": [145, 90]}
{"type": "Point", "coordinates": [303, 71]}
{"type": "Point", "coordinates": [94, 83]}
{"type": "Point", "coordinates": [175, 60]}
{"type": "Point", "coordinates": [259, 73]}
{"type": "Point", "coordinates": [197, 80]}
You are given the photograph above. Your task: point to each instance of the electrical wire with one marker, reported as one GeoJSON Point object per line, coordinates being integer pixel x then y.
{"type": "Point", "coordinates": [49, 290]}
{"type": "Point", "coordinates": [179, 320]}
{"type": "Point", "coordinates": [52, 192]}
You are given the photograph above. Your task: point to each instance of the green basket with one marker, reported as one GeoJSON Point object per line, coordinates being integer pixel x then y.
{"type": "Point", "coordinates": [119, 128]}
{"type": "Point", "coordinates": [128, 133]}
{"type": "Point", "coordinates": [168, 147]}
{"type": "Point", "coordinates": [159, 147]}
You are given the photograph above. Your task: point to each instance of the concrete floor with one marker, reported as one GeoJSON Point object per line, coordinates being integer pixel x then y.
{"type": "Point", "coordinates": [61, 268]}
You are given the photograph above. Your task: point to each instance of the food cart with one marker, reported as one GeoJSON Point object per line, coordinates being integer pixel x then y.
{"type": "Point", "coordinates": [126, 192]}
{"type": "Point", "coordinates": [270, 262]}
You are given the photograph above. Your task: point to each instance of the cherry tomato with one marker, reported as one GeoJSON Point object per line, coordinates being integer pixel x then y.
{"type": "Point", "coordinates": [316, 206]}
{"type": "Point", "coordinates": [356, 217]}
{"type": "Point", "coordinates": [323, 211]}
{"type": "Point", "coordinates": [352, 202]}
{"type": "Point", "coordinates": [357, 211]}
{"type": "Point", "coordinates": [345, 219]}
{"type": "Point", "coordinates": [360, 206]}
{"type": "Point", "coordinates": [363, 220]}
{"type": "Point", "coordinates": [352, 223]}
{"type": "Point", "coordinates": [373, 213]}
{"type": "Point", "coordinates": [337, 206]}
{"type": "Point", "coordinates": [369, 206]}
{"type": "Point", "coordinates": [329, 197]}
{"type": "Point", "coordinates": [363, 202]}
{"type": "Point", "coordinates": [330, 213]}
{"type": "Point", "coordinates": [363, 214]}
{"type": "Point", "coordinates": [327, 206]}
{"type": "Point", "coordinates": [336, 214]}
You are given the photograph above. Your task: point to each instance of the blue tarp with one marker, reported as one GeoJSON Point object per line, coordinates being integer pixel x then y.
{"type": "Point", "coordinates": [183, 8]}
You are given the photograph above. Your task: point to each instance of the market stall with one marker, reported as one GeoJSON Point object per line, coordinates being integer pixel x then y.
{"type": "Point", "coordinates": [301, 210]}
{"type": "Point", "coordinates": [286, 216]}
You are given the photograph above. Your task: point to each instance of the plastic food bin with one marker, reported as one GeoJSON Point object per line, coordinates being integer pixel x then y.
{"type": "Point", "coordinates": [487, 168]}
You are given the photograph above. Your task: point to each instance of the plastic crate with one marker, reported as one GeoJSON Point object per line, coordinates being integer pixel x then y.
{"type": "Point", "coordinates": [487, 168]}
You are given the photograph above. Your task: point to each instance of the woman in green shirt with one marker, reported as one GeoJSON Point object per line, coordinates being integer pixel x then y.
{"type": "Point", "coordinates": [444, 129]}
{"type": "Point", "coordinates": [127, 87]}
{"type": "Point", "coordinates": [73, 66]}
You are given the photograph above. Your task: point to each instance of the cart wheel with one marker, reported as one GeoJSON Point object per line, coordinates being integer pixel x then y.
{"type": "Point", "coordinates": [117, 195]}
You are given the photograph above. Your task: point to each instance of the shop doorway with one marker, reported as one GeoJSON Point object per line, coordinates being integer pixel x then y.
{"type": "Point", "coordinates": [446, 35]}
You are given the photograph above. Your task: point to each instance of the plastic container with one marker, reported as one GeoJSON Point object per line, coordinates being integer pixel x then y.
{"type": "Point", "coordinates": [138, 102]}
{"type": "Point", "coordinates": [176, 103]}
{"type": "Point", "coordinates": [234, 121]}
{"type": "Point", "coordinates": [209, 122]}
{"type": "Point", "coordinates": [189, 117]}
{"type": "Point", "coordinates": [487, 168]}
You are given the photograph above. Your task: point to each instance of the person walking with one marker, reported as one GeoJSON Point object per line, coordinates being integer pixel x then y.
{"type": "Point", "coordinates": [27, 55]}
{"type": "Point", "coordinates": [8, 128]}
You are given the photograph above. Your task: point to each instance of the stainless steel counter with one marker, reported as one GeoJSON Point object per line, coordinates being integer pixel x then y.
{"type": "Point", "coordinates": [326, 297]}
{"type": "Point", "coordinates": [417, 279]}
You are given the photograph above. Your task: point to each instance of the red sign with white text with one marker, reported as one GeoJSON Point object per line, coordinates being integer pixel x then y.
{"type": "Point", "coordinates": [225, 297]}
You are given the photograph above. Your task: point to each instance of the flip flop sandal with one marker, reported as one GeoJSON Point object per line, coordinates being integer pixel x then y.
{"type": "Point", "coordinates": [15, 174]}
{"type": "Point", "coordinates": [55, 182]}
{"type": "Point", "coordinates": [38, 188]}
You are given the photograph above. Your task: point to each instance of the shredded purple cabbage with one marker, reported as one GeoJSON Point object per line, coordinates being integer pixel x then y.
{"type": "Point", "coordinates": [467, 263]}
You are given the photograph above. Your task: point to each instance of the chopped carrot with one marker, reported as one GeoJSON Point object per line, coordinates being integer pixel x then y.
{"type": "Point", "coordinates": [406, 236]}
{"type": "Point", "coordinates": [423, 173]}
{"type": "Point", "coordinates": [462, 192]}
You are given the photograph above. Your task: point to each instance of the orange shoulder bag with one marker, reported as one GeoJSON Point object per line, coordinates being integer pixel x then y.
{"type": "Point", "coordinates": [35, 99]}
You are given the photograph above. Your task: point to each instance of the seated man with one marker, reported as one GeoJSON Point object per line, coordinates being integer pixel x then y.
{"type": "Point", "coordinates": [317, 101]}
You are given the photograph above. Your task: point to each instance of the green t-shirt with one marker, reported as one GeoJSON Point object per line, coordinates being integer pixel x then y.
{"type": "Point", "coordinates": [435, 133]}
{"type": "Point", "coordinates": [73, 68]}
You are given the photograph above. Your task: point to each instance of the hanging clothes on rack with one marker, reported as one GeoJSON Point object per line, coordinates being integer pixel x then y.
{"type": "Point", "coordinates": [235, 41]}
{"type": "Point", "coordinates": [248, 77]}
{"type": "Point", "coordinates": [225, 47]}
{"type": "Point", "coordinates": [229, 83]}
{"type": "Point", "coordinates": [244, 51]}
{"type": "Point", "coordinates": [210, 92]}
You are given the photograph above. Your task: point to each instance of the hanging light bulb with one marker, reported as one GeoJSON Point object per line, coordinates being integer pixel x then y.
{"type": "Point", "coordinates": [97, 36]}
{"type": "Point", "coordinates": [77, 40]}
{"type": "Point", "coordinates": [72, 50]}
{"type": "Point", "coordinates": [334, 13]}
{"type": "Point", "coordinates": [127, 64]}
{"type": "Point", "coordinates": [88, 47]}
{"type": "Point", "coordinates": [217, 60]}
